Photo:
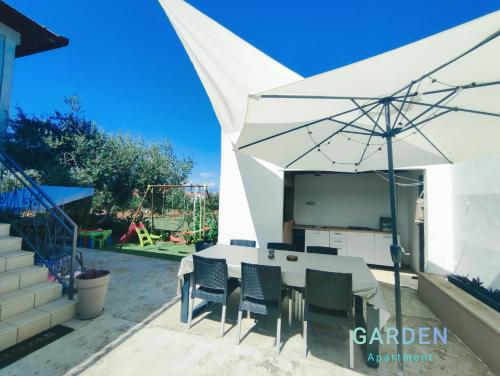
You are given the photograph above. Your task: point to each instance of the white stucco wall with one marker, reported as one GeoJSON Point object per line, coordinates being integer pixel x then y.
{"type": "Point", "coordinates": [476, 220]}
{"type": "Point", "coordinates": [463, 220]}
{"type": "Point", "coordinates": [251, 198]}
{"type": "Point", "coordinates": [438, 220]}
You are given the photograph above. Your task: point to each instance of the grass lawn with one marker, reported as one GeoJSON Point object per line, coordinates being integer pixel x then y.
{"type": "Point", "coordinates": [161, 250]}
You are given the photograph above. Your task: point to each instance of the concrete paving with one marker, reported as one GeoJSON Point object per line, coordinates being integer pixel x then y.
{"type": "Point", "coordinates": [140, 334]}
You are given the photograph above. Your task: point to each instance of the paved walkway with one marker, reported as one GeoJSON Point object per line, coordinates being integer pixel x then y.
{"type": "Point", "coordinates": [140, 334]}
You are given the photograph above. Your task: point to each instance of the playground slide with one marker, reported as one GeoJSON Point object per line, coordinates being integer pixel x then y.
{"type": "Point", "coordinates": [125, 238]}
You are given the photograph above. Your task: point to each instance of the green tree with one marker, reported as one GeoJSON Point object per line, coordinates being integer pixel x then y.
{"type": "Point", "coordinates": [65, 148]}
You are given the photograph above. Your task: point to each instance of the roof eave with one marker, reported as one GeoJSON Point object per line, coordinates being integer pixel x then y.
{"type": "Point", "coordinates": [34, 37]}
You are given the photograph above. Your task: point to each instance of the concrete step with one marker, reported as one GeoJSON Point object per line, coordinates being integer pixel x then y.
{"type": "Point", "coordinates": [8, 335]}
{"type": "Point", "coordinates": [61, 310]}
{"type": "Point", "coordinates": [30, 323]}
{"type": "Point", "coordinates": [4, 229]}
{"type": "Point", "coordinates": [30, 275]}
{"type": "Point", "coordinates": [16, 259]}
{"type": "Point", "coordinates": [45, 292]}
{"type": "Point", "coordinates": [9, 281]}
{"type": "Point", "coordinates": [10, 243]}
{"type": "Point", "coordinates": [15, 302]}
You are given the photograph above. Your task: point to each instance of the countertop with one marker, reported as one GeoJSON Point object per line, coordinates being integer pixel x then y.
{"type": "Point", "coordinates": [338, 228]}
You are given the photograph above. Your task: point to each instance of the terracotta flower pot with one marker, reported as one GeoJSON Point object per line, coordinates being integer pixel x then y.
{"type": "Point", "coordinates": [92, 287]}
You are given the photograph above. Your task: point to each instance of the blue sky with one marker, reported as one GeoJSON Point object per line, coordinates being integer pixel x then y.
{"type": "Point", "coordinates": [128, 67]}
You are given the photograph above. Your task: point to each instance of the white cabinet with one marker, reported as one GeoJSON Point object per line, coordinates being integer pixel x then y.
{"type": "Point", "coordinates": [318, 238]}
{"type": "Point", "coordinates": [373, 247]}
{"type": "Point", "coordinates": [361, 244]}
{"type": "Point", "coordinates": [338, 239]}
{"type": "Point", "coordinates": [382, 249]}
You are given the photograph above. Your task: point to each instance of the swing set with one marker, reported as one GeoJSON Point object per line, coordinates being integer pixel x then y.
{"type": "Point", "coordinates": [176, 213]}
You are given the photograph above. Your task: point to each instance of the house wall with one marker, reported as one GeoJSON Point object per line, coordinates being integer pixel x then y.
{"type": "Point", "coordinates": [438, 220]}
{"type": "Point", "coordinates": [354, 200]}
{"type": "Point", "coordinates": [463, 220]}
{"type": "Point", "coordinates": [9, 39]}
{"type": "Point", "coordinates": [251, 198]}
{"type": "Point", "coordinates": [476, 219]}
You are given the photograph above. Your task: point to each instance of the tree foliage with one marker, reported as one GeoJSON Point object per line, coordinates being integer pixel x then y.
{"type": "Point", "coordinates": [65, 148]}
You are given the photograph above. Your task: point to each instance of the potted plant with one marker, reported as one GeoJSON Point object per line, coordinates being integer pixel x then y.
{"type": "Point", "coordinates": [92, 286]}
{"type": "Point", "coordinates": [475, 288]}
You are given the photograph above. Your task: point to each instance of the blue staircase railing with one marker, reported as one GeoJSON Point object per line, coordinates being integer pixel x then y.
{"type": "Point", "coordinates": [44, 227]}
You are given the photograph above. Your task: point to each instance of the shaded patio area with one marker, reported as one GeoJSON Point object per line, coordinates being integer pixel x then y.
{"type": "Point", "coordinates": [140, 333]}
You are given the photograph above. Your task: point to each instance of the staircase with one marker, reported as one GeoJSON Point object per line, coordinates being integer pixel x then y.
{"type": "Point", "coordinates": [29, 302]}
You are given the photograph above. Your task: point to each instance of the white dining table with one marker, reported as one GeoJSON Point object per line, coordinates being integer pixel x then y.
{"type": "Point", "coordinates": [371, 310]}
{"type": "Point", "coordinates": [293, 272]}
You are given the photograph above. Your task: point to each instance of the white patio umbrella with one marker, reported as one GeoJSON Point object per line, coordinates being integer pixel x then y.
{"type": "Point", "coordinates": [430, 102]}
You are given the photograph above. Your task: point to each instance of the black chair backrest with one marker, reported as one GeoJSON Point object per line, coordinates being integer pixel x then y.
{"type": "Point", "coordinates": [322, 250]}
{"type": "Point", "coordinates": [261, 282]}
{"type": "Point", "coordinates": [281, 246]}
{"type": "Point", "coordinates": [243, 242]}
{"type": "Point", "coordinates": [202, 244]}
{"type": "Point", "coordinates": [329, 290]}
{"type": "Point", "coordinates": [210, 272]}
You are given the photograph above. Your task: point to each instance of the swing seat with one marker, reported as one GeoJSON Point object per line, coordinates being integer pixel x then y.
{"type": "Point", "coordinates": [145, 238]}
{"type": "Point", "coordinates": [176, 240]}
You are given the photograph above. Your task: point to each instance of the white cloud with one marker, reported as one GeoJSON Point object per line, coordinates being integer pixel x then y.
{"type": "Point", "coordinates": [207, 174]}
{"type": "Point", "coordinates": [208, 178]}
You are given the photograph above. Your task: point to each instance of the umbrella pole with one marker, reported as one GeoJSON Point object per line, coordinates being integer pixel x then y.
{"type": "Point", "coordinates": [395, 247]}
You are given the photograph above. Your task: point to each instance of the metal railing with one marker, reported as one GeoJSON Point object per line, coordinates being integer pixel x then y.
{"type": "Point", "coordinates": [44, 227]}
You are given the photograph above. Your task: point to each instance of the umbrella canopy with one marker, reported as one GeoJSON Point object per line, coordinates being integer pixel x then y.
{"type": "Point", "coordinates": [431, 102]}
{"type": "Point", "coordinates": [439, 96]}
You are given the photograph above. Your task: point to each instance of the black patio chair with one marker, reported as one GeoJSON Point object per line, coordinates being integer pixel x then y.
{"type": "Point", "coordinates": [210, 283]}
{"type": "Point", "coordinates": [328, 295]}
{"type": "Point", "coordinates": [202, 244]}
{"type": "Point", "coordinates": [243, 242]}
{"type": "Point", "coordinates": [294, 293]}
{"type": "Point", "coordinates": [281, 246]}
{"type": "Point", "coordinates": [261, 293]}
{"type": "Point", "coordinates": [322, 250]}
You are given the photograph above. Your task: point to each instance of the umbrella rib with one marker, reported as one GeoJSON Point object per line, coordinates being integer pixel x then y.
{"type": "Point", "coordinates": [367, 131]}
{"type": "Point", "coordinates": [367, 115]}
{"type": "Point", "coordinates": [369, 139]}
{"type": "Point", "coordinates": [431, 107]}
{"type": "Point", "coordinates": [402, 105]}
{"type": "Point", "coordinates": [455, 108]}
{"type": "Point", "coordinates": [464, 87]}
{"type": "Point", "coordinates": [304, 126]}
{"type": "Point", "coordinates": [359, 117]}
{"type": "Point", "coordinates": [316, 146]}
{"type": "Point", "coordinates": [360, 133]}
{"type": "Point", "coordinates": [329, 137]}
{"type": "Point", "coordinates": [364, 152]}
{"type": "Point", "coordinates": [472, 85]}
{"type": "Point", "coordinates": [403, 130]}
{"type": "Point", "coordinates": [472, 49]}
{"type": "Point", "coordinates": [425, 137]}
{"type": "Point", "coordinates": [291, 96]}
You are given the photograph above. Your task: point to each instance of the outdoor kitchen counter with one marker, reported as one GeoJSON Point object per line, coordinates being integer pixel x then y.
{"type": "Point", "coordinates": [337, 228]}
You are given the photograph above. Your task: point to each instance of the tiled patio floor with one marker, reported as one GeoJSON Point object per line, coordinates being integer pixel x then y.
{"type": "Point", "coordinates": [140, 334]}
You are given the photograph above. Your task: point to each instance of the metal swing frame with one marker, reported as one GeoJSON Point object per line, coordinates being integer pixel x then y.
{"type": "Point", "coordinates": [199, 194]}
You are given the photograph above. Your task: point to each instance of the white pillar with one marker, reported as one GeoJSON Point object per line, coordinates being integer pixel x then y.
{"type": "Point", "coordinates": [9, 39]}
{"type": "Point", "coordinates": [439, 240]}
{"type": "Point", "coordinates": [251, 198]}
